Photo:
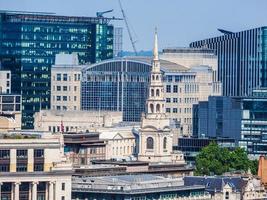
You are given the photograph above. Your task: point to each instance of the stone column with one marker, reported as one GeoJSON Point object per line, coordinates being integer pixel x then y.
{"type": "Point", "coordinates": [46, 190]}
{"type": "Point", "coordinates": [1, 190]}
{"type": "Point", "coordinates": [34, 190]}
{"type": "Point", "coordinates": [16, 191]}
{"type": "Point", "coordinates": [51, 191]}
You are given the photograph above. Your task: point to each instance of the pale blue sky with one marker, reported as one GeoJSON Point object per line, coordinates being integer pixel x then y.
{"type": "Point", "coordinates": [179, 21]}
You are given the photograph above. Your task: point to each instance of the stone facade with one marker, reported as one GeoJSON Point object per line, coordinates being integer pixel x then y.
{"type": "Point", "coordinates": [34, 169]}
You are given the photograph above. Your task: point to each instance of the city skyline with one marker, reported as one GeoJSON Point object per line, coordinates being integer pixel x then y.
{"type": "Point", "coordinates": [185, 19]}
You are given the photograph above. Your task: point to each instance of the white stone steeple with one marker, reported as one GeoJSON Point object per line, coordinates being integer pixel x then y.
{"type": "Point", "coordinates": [156, 102]}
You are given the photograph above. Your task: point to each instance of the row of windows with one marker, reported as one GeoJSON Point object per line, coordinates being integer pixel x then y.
{"type": "Point", "coordinates": [123, 150]}
{"type": "Point", "coordinates": [63, 108]}
{"type": "Point", "coordinates": [150, 143]}
{"type": "Point", "coordinates": [64, 77]}
{"type": "Point", "coordinates": [64, 88]}
{"type": "Point", "coordinates": [21, 153]}
{"type": "Point", "coordinates": [175, 110]}
{"type": "Point", "coordinates": [64, 98]}
{"type": "Point", "coordinates": [188, 78]}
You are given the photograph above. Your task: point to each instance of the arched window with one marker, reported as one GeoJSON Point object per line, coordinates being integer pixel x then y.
{"type": "Point", "coordinates": [152, 92]}
{"type": "Point", "coordinates": [165, 143]}
{"type": "Point", "coordinates": [149, 143]}
{"type": "Point", "coordinates": [151, 108]}
{"type": "Point", "coordinates": [226, 195]}
{"type": "Point", "coordinates": [158, 108]}
{"type": "Point", "coordinates": [157, 92]}
{"type": "Point", "coordinates": [157, 77]}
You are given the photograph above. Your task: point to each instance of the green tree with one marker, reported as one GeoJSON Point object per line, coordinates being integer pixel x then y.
{"type": "Point", "coordinates": [217, 160]}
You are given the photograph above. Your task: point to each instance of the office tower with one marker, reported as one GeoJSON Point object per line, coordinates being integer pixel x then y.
{"type": "Point", "coordinates": [240, 118]}
{"type": "Point", "coordinates": [242, 59]}
{"type": "Point", "coordinates": [29, 42]}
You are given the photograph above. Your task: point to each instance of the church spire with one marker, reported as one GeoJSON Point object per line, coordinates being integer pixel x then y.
{"type": "Point", "coordinates": [156, 51]}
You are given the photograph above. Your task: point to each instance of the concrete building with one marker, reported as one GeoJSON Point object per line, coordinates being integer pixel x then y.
{"type": "Point", "coordinates": [66, 83]}
{"type": "Point", "coordinates": [5, 81]}
{"type": "Point", "coordinates": [231, 188]}
{"type": "Point", "coordinates": [192, 57]}
{"type": "Point", "coordinates": [10, 112]}
{"type": "Point", "coordinates": [82, 148]}
{"type": "Point", "coordinates": [143, 186]}
{"type": "Point", "coordinates": [74, 121]}
{"type": "Point", "coordinates": [155, 134]}
{"type": "Point", "coordinates": [120, 141]}
{"type": "Point", "coordinates": [34, 168]}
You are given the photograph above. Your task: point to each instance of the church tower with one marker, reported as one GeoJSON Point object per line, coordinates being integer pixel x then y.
{"type": "Point", "coordinates": [155, 138]}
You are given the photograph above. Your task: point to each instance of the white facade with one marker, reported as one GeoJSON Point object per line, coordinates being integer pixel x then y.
{"type": "Point", "coordinates": [5, 81]}
{"type": "Point", "coordinates": [155, 137]}
{"type": "Point", "coordinates": [74, 121]}
{"type": "Point", "coordinates": [34, 168]}
{"type": "Point", "coordinates": [184, 89]}
{"type": "Point", "coordinates": [120, 142]}
{"type": "Point", "coordinates": [190, 57]}
{"type": "Point", "coordinates": [66, 83]}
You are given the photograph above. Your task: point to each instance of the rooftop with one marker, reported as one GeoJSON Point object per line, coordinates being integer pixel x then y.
{"type": "Point", "coordinates": [129, 184]}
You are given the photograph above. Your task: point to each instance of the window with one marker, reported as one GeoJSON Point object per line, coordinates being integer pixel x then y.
{"type": "Point", "coordinates": [75, 88]}
{"type": "Point", "coordinates": [168, 100]}
{"type": "Point", "coordinates": [157, 92]}
{"type": "Point", "coordinates": [175, 88]}
{"type": "Point", "coordinates": [168, 88]}
{"type": "Point", "coordinates": [152, 92]}
{"type": "Point", "coordinates": [21, 167]}
{"type": "Point", "coordinates": [58, 77]}
{"type": "Point", "coordinates": [226, 195]}
{"type": "Point", "coordinates": [149, 143]}
{"type": "Point", "coordinates": [58, 98]}
{"type": "Point", "coordinates": [38, 153]}
{"type": "Point", "coordinates": [38, 167]}
{"type": "Point", "coordinates": [151, 108]}
{"type": "Point", "coordinates": [75, 98]}
{"type": "Point", "coordinates": [175, 100]}
{"type": "Point", "coordinates": [165, 143]}
{"type": "Point", "coordinates": [158, 108]}
{"type": "Point", "coordinates": [62, 198]}
{"type": "Point", "coordinates": [63, 186]}
{"type": "Point", "coordinates": [169, 78]}
{"type": "Point", "coordinates": [58, 107]}
{"type": "Point", "coordinates": [22, 153]}
{"type": "Point", "coordinates": [65, 77]}
{"type": "Point", "coordinates": [168, 110]}
{"type": "Point", "coordinates": [65, 98]}
{"type": "Point", "coordinates": [58, 88]}
{"type": "Point", "coordinates": [4, 168]}
{"type": "Point", "coordinates": [174, 110]}
{"type": "Point", "coordinates": [65, 88]}
{"type": "Point", "coordinates": [4, 154]}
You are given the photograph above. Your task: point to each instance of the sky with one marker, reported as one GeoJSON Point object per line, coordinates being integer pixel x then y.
{"type": "Point", "coordinates": [179, 22]}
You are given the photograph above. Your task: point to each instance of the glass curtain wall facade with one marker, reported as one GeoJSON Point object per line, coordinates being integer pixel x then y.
{"type": "Point", "coordinates": [116, 85]}
{"type": "Point", "coordinates": [28, 46]}
{"type": "Point", "coordinates": [242, 60]}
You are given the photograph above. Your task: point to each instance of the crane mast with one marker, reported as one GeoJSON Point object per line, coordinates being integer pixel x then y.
{"type": "Point", "coordinates": [128, 28]}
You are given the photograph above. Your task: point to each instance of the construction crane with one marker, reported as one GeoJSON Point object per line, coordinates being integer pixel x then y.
{"type": "Point", "coordinates": [100, 14]}
{"type": "Point", "coordinates": [128, 28]}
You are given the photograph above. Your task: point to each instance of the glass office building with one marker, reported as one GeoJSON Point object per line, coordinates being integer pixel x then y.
{"type": "Point", "coordinates": [29, 42]}
{"type": "Point", "coordinates": [243, 119]}
{"type": "Point", "coordinates": [116, 85]}
{"type": "Point", "coordinates": [242, 59]}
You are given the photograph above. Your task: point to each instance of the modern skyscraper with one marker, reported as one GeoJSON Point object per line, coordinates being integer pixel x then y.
{"type": "Point", "coordinates": [29, 42]}
{"type": "Point", "coordinates": [242, 59]}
